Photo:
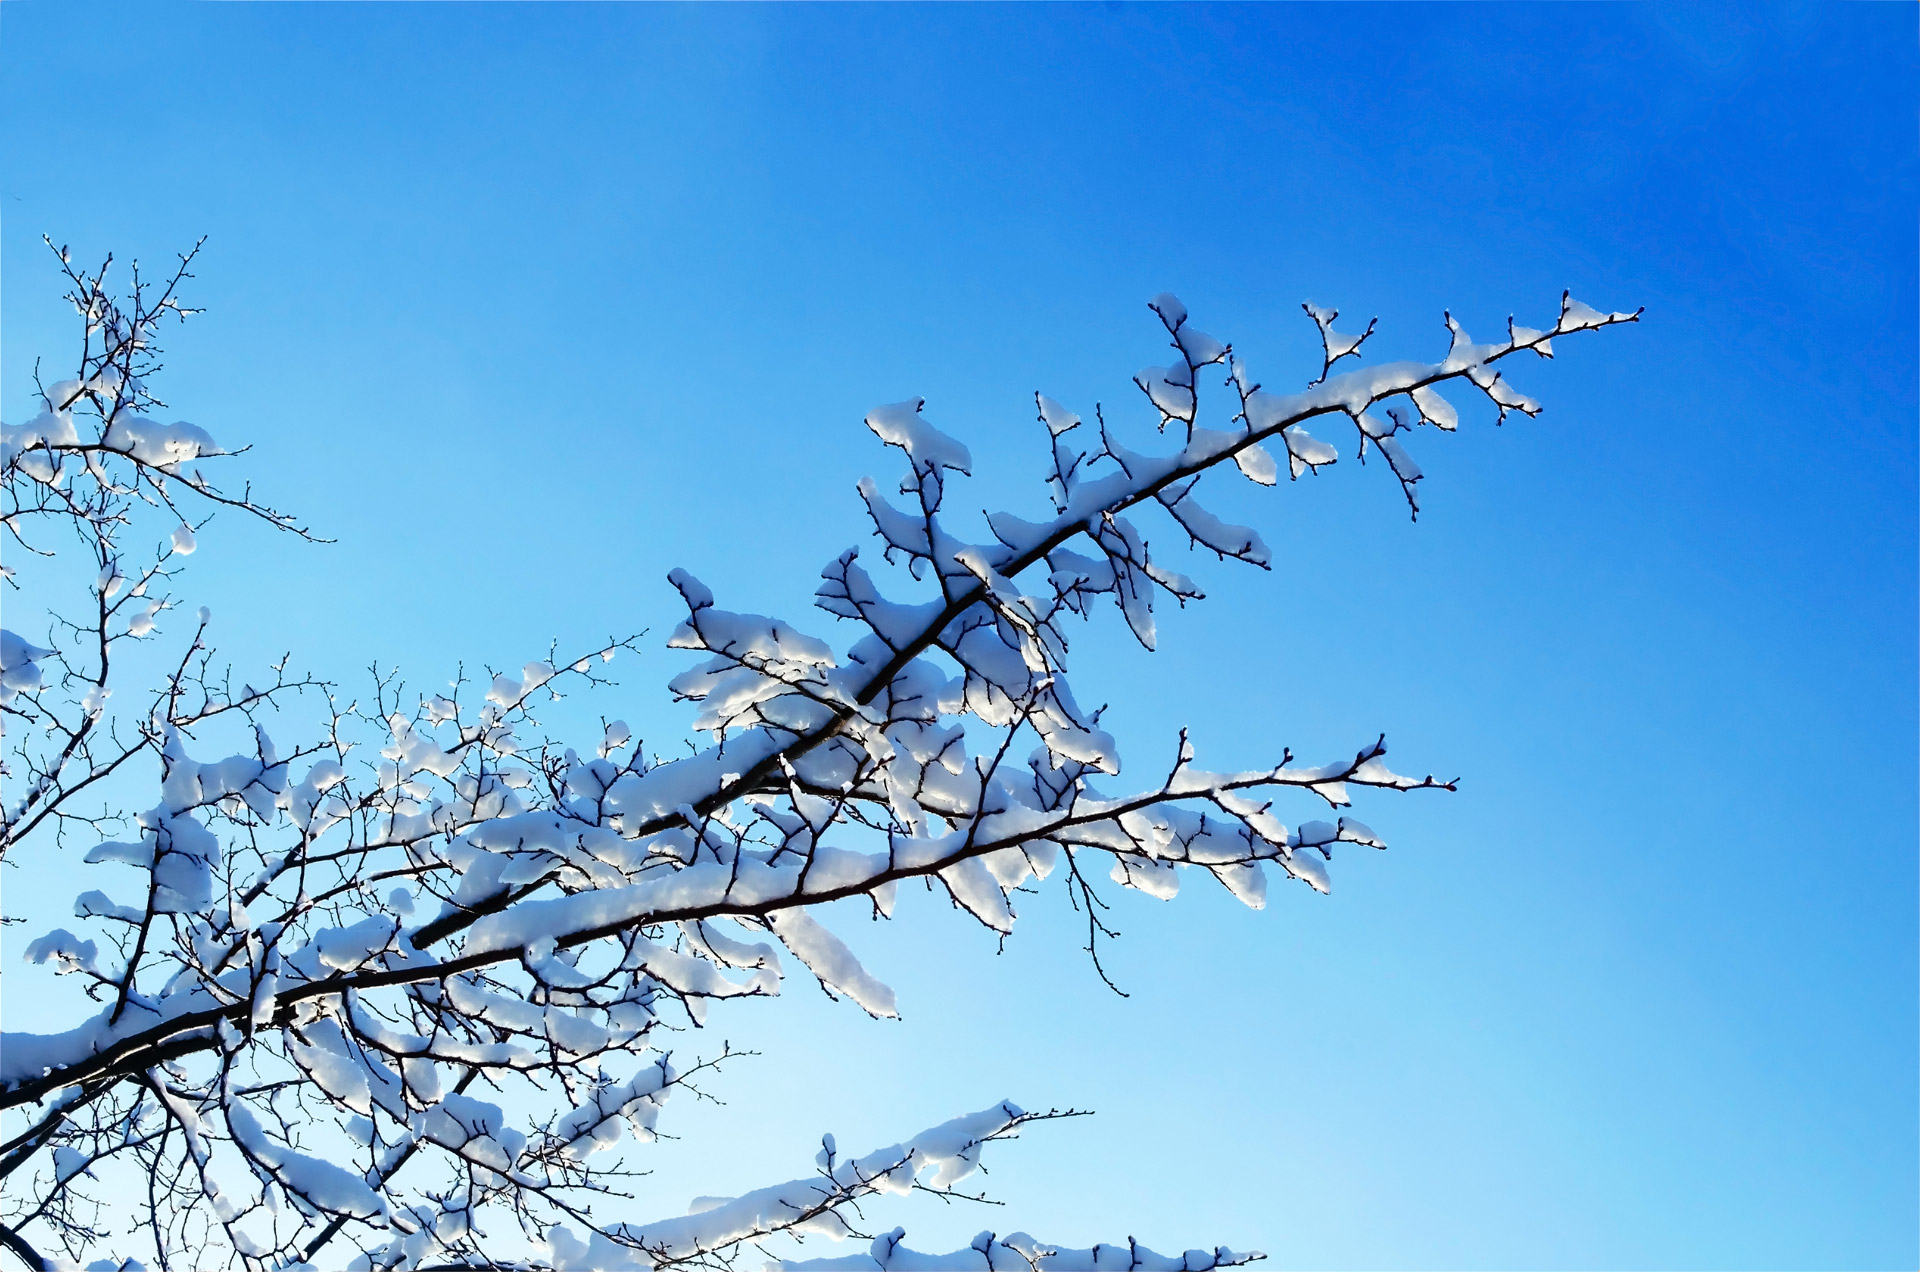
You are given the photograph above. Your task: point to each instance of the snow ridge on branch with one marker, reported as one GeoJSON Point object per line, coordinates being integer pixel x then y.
{"type": "Point", "coordinates": [329, 981]}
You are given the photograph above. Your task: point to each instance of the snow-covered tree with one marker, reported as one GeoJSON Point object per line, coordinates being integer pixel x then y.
{"type": "Point", "coordinates": [399, 994]}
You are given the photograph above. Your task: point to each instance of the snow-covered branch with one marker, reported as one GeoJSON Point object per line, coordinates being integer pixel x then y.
{"type": "Point", "coordinates": [414, 976]}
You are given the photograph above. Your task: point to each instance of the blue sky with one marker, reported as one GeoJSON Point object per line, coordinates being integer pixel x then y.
{"type": "Point", "coordinates": [526, 305]}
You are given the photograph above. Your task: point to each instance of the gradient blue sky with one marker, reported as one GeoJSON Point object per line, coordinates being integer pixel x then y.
{"type": "Point", "coordinates": [526, 305]}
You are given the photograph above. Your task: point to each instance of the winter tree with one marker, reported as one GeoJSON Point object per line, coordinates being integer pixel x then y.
{"type": "Point", "coordinates": [403, 992]}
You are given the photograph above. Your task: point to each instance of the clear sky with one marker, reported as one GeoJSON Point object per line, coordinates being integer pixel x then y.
{"type": "Point", "coordinates": [526, 305]}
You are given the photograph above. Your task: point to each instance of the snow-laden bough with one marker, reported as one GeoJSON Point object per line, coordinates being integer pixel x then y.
{"type": "Point", "coordinates": [400, 996]}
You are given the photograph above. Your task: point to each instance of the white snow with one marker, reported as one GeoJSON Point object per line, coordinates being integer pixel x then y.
{"type": "Point", "coordinates": [626, 873]}
{"type": "Point", "coordinates": [828, 958]}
